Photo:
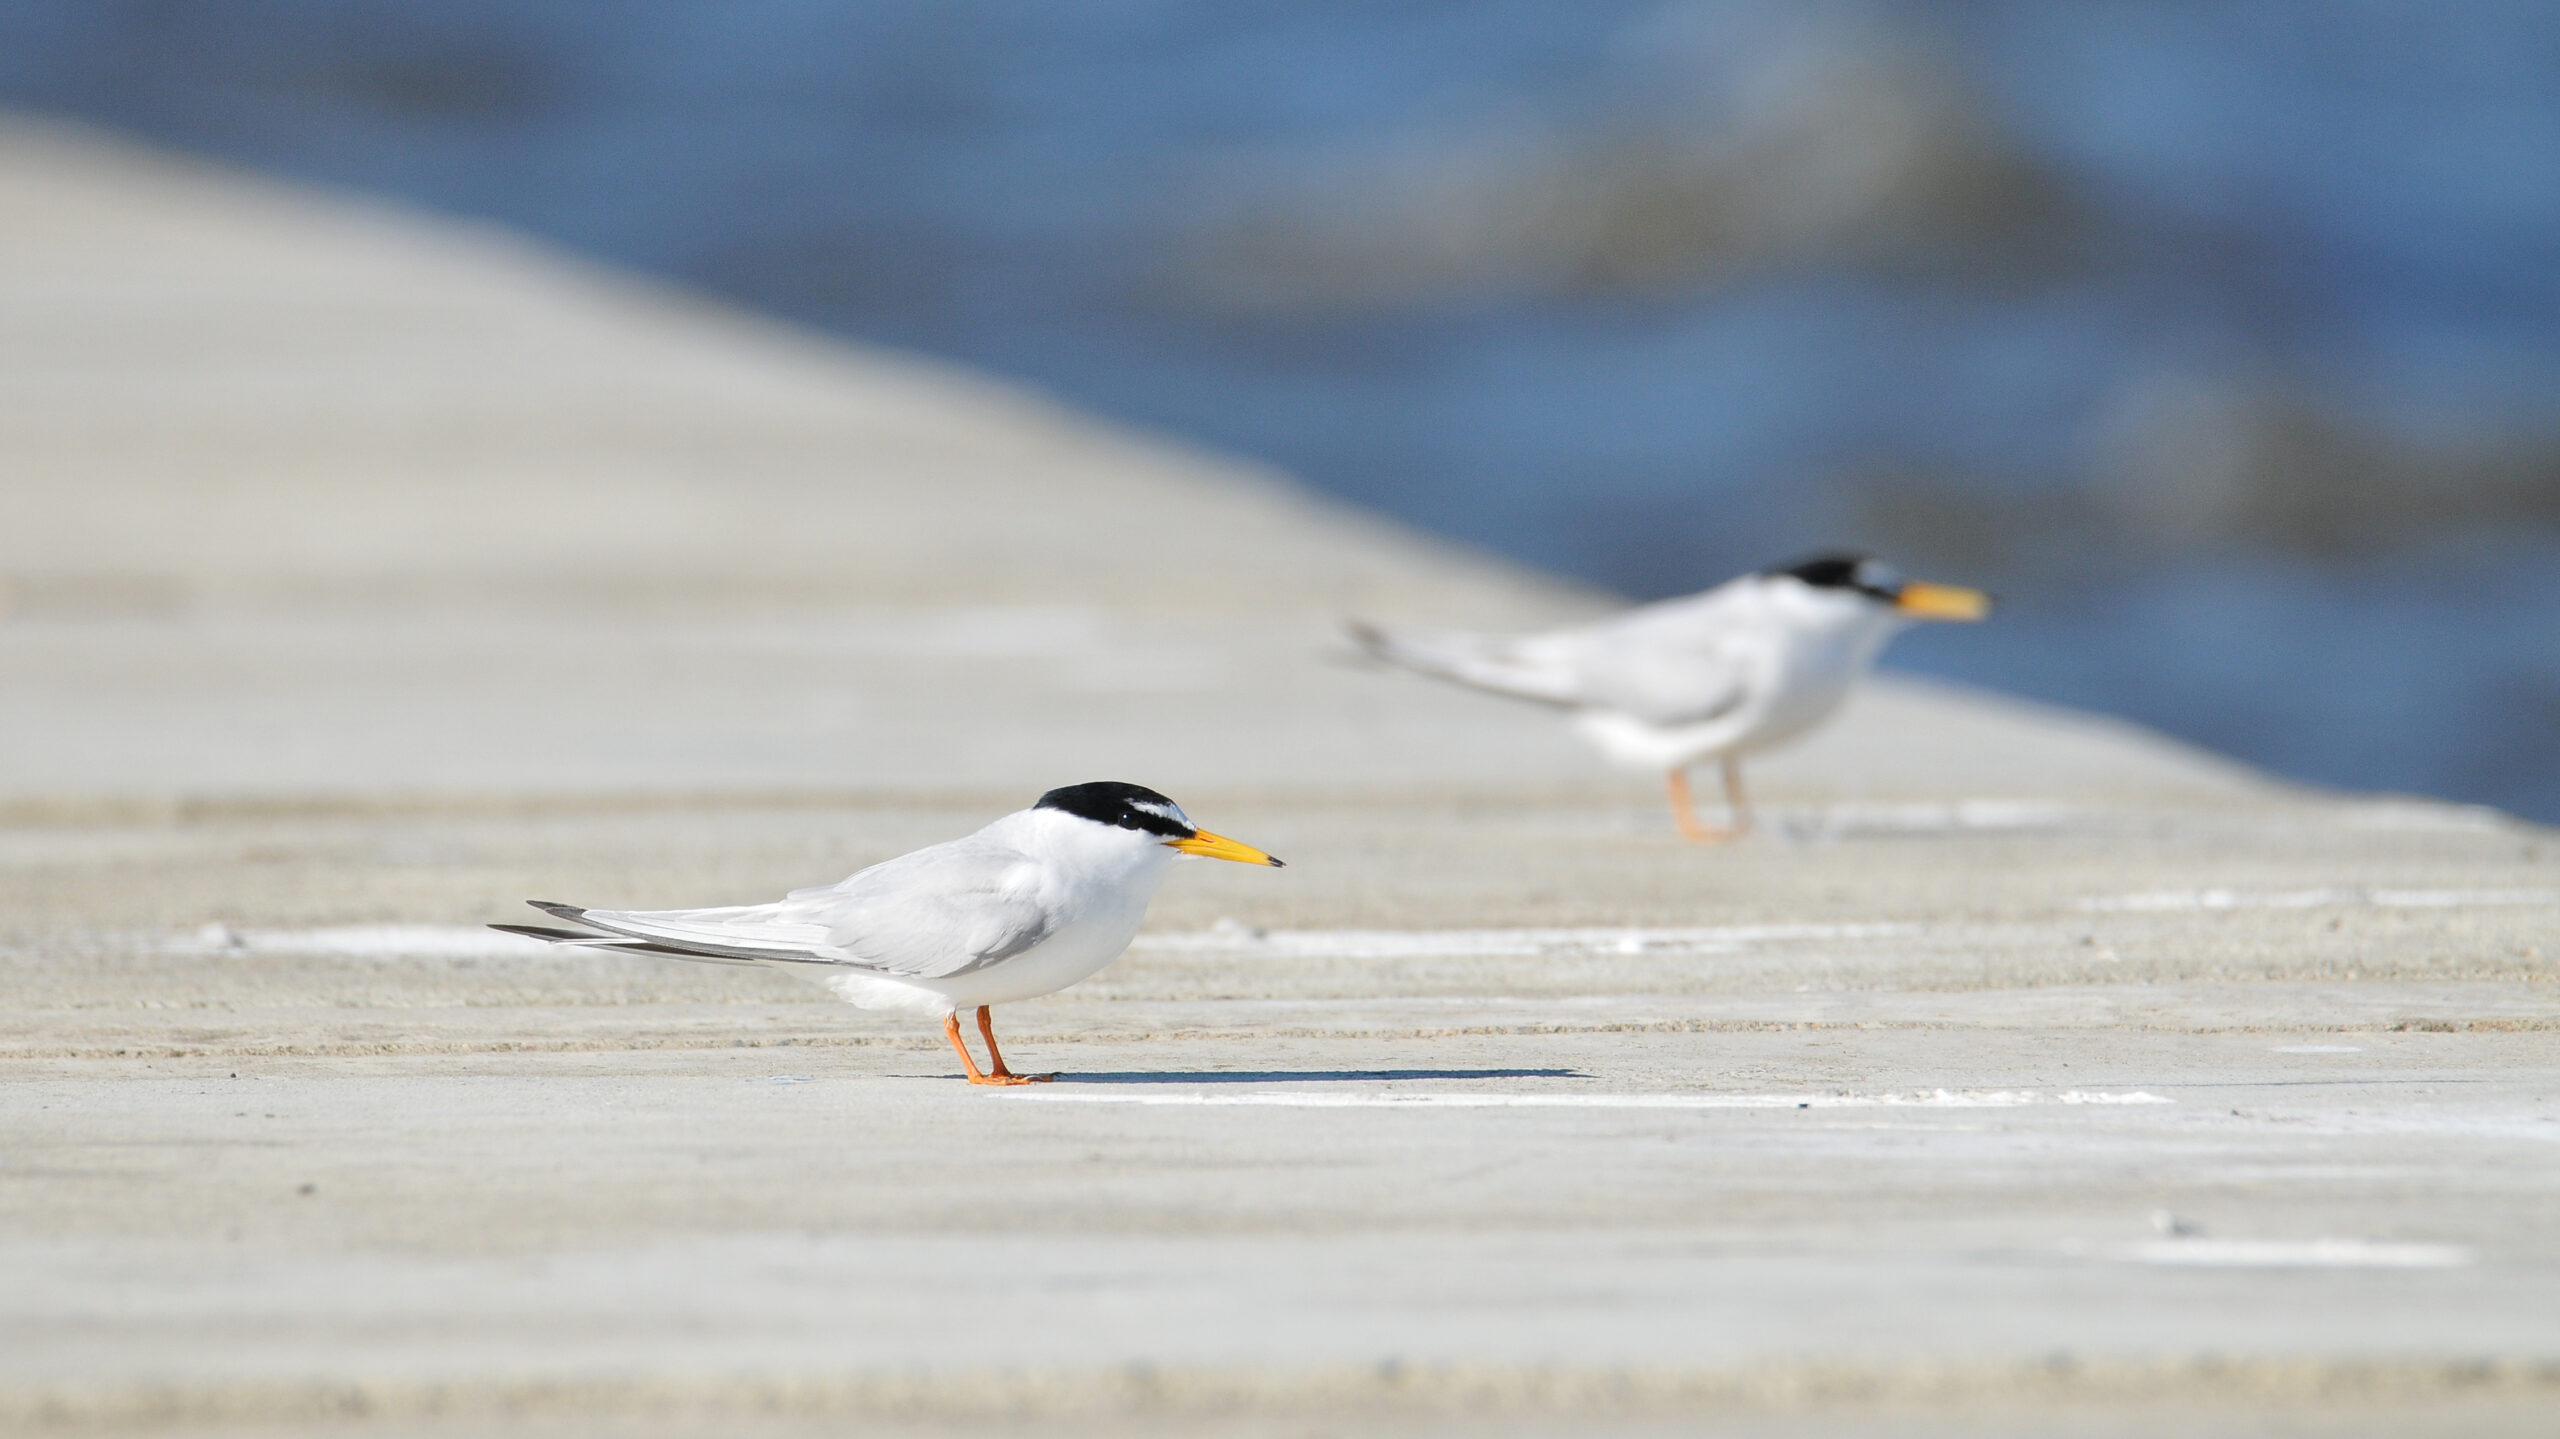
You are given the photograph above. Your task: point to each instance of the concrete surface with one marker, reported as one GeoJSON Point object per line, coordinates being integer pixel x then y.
{"type": "Point", "coordinates": [365, 574]}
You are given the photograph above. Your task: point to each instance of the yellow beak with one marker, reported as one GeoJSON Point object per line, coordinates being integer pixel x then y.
{"type": "Point", "coordinates": [1941, 602]}
{"type": "Point", "coordinates": [1218, 846]}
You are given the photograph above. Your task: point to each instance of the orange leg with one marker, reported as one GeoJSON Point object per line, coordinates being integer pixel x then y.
{"type": "Point", "coordinates": [1000, 1075]}
{"type": "Point", "coordinates": [1684, 811]}
{"type": "Point", "coordinates": [1736, 801]}
{"type": "Point", "coordinates": [987, 1029]}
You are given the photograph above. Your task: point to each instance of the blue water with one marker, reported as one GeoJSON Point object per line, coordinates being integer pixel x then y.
{"type": "Point", "coordinates": [2222, 337]}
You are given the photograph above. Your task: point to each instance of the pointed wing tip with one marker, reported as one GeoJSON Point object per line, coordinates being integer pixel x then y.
{"type": "Point", "coordinates": [547, 934]}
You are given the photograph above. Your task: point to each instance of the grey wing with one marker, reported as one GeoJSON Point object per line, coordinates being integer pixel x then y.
{"type": "Point", "coordinates": [946, 910]}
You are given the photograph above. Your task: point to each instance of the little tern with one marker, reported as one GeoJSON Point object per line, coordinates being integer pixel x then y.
{"type": "Point", "coordinates": [1745, 666]}
{"type": "Point", "coordinates": [1028, 905]}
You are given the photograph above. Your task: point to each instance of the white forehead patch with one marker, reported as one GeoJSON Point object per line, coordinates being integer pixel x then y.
{"type": "Point", "coordinates": [1167, 810]}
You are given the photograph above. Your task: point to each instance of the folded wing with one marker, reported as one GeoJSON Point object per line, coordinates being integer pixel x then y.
{"type": "Point", "coordinates": [1680, 662]}
{"type": "Point", "coordinates": [941, 911]}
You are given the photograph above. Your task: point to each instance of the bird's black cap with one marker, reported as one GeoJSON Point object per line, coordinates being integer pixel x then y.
{"type": "Point", "coordinates": [1845, 570]}
{"type": "Point", "coordinates": [1126, 806]}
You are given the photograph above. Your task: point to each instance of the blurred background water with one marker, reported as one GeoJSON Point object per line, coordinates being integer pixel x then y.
{"type": "Point", "coordinates": [2221, 336]}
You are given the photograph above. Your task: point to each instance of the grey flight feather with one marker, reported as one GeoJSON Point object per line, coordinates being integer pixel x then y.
{"type": "Point", "coordinates": [619, 944]}
{"type": "Point", "coordinates": [1485, 662]}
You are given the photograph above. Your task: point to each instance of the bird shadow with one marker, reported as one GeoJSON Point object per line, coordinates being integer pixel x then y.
{"type": "Point", "coordinates": [1297, 1076]}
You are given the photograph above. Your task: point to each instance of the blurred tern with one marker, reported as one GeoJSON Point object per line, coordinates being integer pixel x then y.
{"type": "Point", "coordinates": [1750, 664]}
{"type": "Point", "coordinates": [1026, 906]}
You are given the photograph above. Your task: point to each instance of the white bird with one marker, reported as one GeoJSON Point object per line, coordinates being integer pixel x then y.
{"type": "Point", "coordinates": [1750, 664]}
{"type": "Point", "coordinates": [1028, 905]}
